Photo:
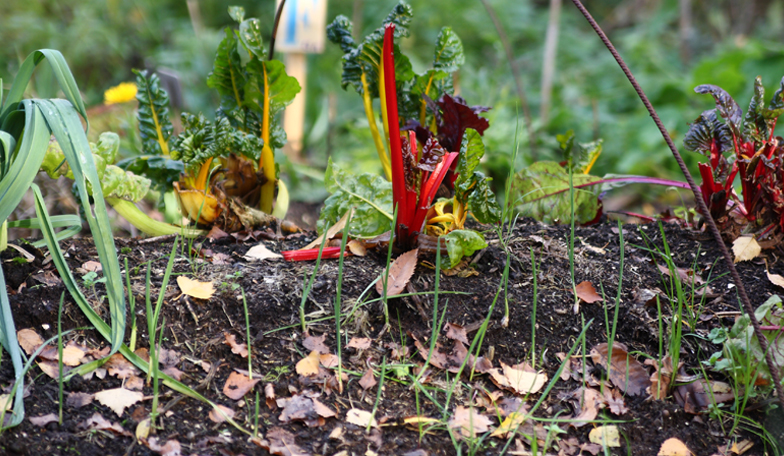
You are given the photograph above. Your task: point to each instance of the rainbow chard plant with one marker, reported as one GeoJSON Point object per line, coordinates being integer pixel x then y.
{"type": "Point", "coordinates": [744, 146]}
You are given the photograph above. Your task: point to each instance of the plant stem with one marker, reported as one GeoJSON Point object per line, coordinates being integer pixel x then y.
{"type": "Point", "coordinates": [703, 208]}
{"type": "Point", "coordinates": [377, 140]}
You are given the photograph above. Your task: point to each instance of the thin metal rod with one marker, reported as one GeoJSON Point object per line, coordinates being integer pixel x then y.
{"type": "Point", "coordinates": [701, 206]}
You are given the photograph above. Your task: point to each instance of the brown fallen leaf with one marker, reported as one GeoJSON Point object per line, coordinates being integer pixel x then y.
{"type": "Point", "coordinates": [520, 379]}
{"type": "Point", "coordinates": [282, 443]}
{"type": "Point", "coordinates": [216, 233]}
{"type": "Point", "coordinates": [237, 349]}
{"type": "Point", "coordinates": [120, 367]}
{"type": "Point", "coordinates": [143, 429]}
{"type": "Point", "coordinates": [587, 293]}
{"type": "Point", "coordinates": [687, 276]}
{"type": "Point", "coordinates": [52, 369]}
{"type": "Point", "coordinates": [398, 274]}
{"type": "Point", "coordinates": [220, 416]}
{"type": "Point", "coordinates": [329, 360]}
{"type": "Point", "coordinates": [118, 399]}
{"type": "Point", "coordinates": [625, 371]}
{"type": "Point", "coordinates": [41, 421]}
{"type": "Point", "coordinates": [29, 340]}
{"type": "Point", "coordinates": [309, 365]}
{"type": "Point", "coordinates": [360, 418]}
{"type": "Point", "coordinates": [194, 288]}
{"type": "Point", "coordinates": [77, 400]}
{"type": "Point", "coordinates": [360, 343]}
{"type": "Point", "coordinates": [316, 343]}
{"type": "Point", "coordinates": [269, 395]}
{"type": "Point", "coordinates": [697, 396]}
{"type": "Point", "coordinates": [238, 385]}
{"type": "Point", "coordinates": [92, 266]}
{"type": "Point", "coordinates": [170, 448]}
{"type": "Point", "coordinates": [468, 422]}
{"type": "Point", "coordinates": [98, 423]}
{"type": "Point", "coordinates": [456, 332]}
{"type": "Point", "coordinates": [745, 248]}
{"type": "Point", "coordinates": [357, 248]}
{"type": "Point", "coordinates": [587, 402]}
{"type": "Point", "coordinates": [368, 380]}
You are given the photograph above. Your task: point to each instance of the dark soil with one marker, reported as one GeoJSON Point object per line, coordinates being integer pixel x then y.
{"type": "Point", "coordinates": [196, 329]}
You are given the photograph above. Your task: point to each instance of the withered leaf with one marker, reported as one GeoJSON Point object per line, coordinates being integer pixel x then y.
{"type": "Point", "coordinates": [118, 399]}
{"type": "Point", "coordinates": [745, 248]}
{"type": "Point", "coordinates": [238, 385]}
{"type": "Point", "coordinates": [170, 448]}
{"type": "Point", "coordinates": [219, 417]}
{"type": "Point", "coordinates": [368, 380]}
{"type": "Point", "coordinates": [674, 447]}
{"type": "Point", "coordinates": [606, 436]}
{"type": "Point", "coordinates": [98, 422]}
{"type": "Point", "coordinates": [398, 274]}
{"type": "Point", "coordinates": [29, 340]}
{"type": "Point", "coordinates": [316, 343]}
{"type": "Point", "coordinates": [360, 343]}
{"type": "Point", "coordinates": [309, 365]}
{"type": "Point", "coordinates": [231, 341]}
{"type": "Point", "coordinates": [360, 418]}
{"type": "Point", "coordinates": [456, 332]}
{"type": "Point", "coordinates": [43, 420]}
{"type": "Point", "coordinates": [194, 288]}
{"type": "Point", "coordinates": [587, 292]}
{"type": "Point", "coordinates": [469, 422]}
{"type": "Point", "coordinates": [521, 379]}
{"type": "Point", "coordinates": [625, 372]}
{"type": "Point", "coordinates": [282, 443]}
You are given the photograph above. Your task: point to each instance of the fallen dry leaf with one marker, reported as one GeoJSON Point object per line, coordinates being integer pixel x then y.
{"type": "Point", "coordinates": [329, 360]}
{"type": "Point", "coordinates": [309, 365]}
{"type": "Point", "coordinates": [92, 266]}
{"type": "Point", "coordinates": [260, 252]}
{"type": "Point", "coordinates": [509, 425]}
{"type": "Point", "coordinates": [606, 436]}
{"type": "Point", "coordinates": [625, 371]}
{"type": "Point", "coordinates": [238, 349]}
{"type": "Point", "coordinates": [587, 293]}
{"type": "Point", "coordinates": [368, 380]}
{"type": "Point", "coordinates": [120, 367]}
{"type": "Point", "coordinates": [456, 332]}
{"type": "Point", "coordinates": [468, 422]}
{"type": "Point", "coordinates": [588, 402]}
{"type": "Point", "coordinates": [282, 443]}
{"type": "Point", "coordinates": [269, 395]}
{"type": "Point", "coordinates": [674, 447]}
{"type": "Point", "coordinates": [360, 343]}
{"type": "Point", "coordinates": [521, 379]}
{"type": "Point", "coordinates": [360, 418]}
{"type": "Point", "coordinates": [357, 248]}
{"type": "Point", "coordinates": [77, 400]}
{"type": "Point", "coordinates": [238, 385]}
{"type": "Point", "coordinates": [143, 429]}
{"type": "Point", "coordinates": [399, 273]}
{"type": "Point", "coordinates": [316, 343]}
{"type": "Point", "coordinates": [698, 395]}
{"type": "Point", "coordinates": [194, 288]}
{"type": "Point", "coordinates": [43, 420]}
{"type": "Point", "coordinates": [745, 248]}
{"type": "Point", "coordinates": [99, 423]}
{"type": "Point", "coordinates": [29, 340]}
{"type": "Point", "coordinates": [118, 399]}
{"type": "Point", "coordinates": [687, 276]}
{"type": "Point", "coordinates": [220, 416]}
{"type": "Point", "coordinates": [170, 448]}
{"type": "Point", "coordinates": [741, 447]}
{"type": "Point", "coordinates": [776, 279]}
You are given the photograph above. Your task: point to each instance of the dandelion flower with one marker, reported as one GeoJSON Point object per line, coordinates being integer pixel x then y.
{"type": "Point", "coordinates": [125, 91]}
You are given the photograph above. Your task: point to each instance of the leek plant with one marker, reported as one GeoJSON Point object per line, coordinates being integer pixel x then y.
{"type": "Point", "coordinates": [26, 126]}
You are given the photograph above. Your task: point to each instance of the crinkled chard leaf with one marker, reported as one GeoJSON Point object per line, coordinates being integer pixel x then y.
{"type": "Point", "coordinates": [462, 243]}
{"type": "Point", "coordinates": [482, 201]}
{"type": "Point", "coordinates": [776, 106]}
{"type": "Point", "coordinates": [704, 131]}
{"type": "Point", "coordinates": [580, 155]}
{"type": "Point", "coordinates": [250, 36]}
{"type": "Point", "coordinates": [228, 75]}
{"type": "Point", "coordinates": [755, 126]}
{"type": "Point", "coordinates": [155, 128]}
{"type": "Point", "coordinates": [472, 150]}
{"type": "Point", "coordinates": [282, 87]}
{"type": "Point", "coordinates": [432, 152]}
{"type": "Point", "coordinates": [162, 171]}
{"type": "Point", "coordinates": [203, 139]}
{"type": "Point", "coordinates": [368, 194]}
{"type": "Point", "coordinates": [727, 107]}
{"type": "Point", "coordinates": [118, 183]}
{"type": "Point", "coordinates": [537, 194]}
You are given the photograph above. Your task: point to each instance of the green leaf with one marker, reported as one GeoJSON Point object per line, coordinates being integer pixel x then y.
{"type": "Point", "coordinates": [11, 345]}
{"type": "Point", "coordinates": [118, 183]}
{"type": "Point", "coordinates": [536, 190]}
{"type": "Point", "coordinates": [726, 106]}
{"type": "Point", "coordinates": [472, 149]}
{"type": "Point", "coordinates": [162, 171]}
{"type": "Point", "coordinates": [449, 55]}
{"type": "Point", "coordinates": [580, 155]}
{"type": "Point", "coordinates": [339, 31]}
{"type": "Point", "coordinates": [228, 76]}
{"type": "Point", "coordinates": [65, 125]}
{"type": "Point", "coordinates": [237, 13]}
{"type": "Point", "coordinates": [462, 243]}
{"type": "Point", "coordinates": [107, 147]}
{"type": "Point", "coordinates": [203, 139]}
{"type": "Point", "coordinates": [481, 200]}
{"type": "Point", "coordinates": [250, 35]}
{"type": "Point", "coordinates": [282, 87]}
{"type": "Point", "coordinates": [776, 106]}
{"type": "Point", "coordinates": [705, 129]}
{"type": "Point", "coordinates": [370, 196]}
{"type": "Point", "coordinates": [155, 128]}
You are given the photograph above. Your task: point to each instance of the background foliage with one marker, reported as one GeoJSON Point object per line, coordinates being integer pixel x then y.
{"type": "Point", "coordinates": [726, 43]}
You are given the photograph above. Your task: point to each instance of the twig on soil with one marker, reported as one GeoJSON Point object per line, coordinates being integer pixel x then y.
{"type": "Point", "coordinates": [701, 206]}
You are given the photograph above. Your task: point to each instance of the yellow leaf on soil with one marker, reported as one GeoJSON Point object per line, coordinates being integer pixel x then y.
{"type": "Point", "coordinates": [194, 288]}
{"type": "Point", "coordinates": [29, 340]}
{"type": "Point", "coordinates": [674, 447]}
{"type": "Point", "coordinates": [309, 365]}
{"type": "Point", "coordinates": [745, 248]}
{"type": "Point", "coordinates": [606, 436]}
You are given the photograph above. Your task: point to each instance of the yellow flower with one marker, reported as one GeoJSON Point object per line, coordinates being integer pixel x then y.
{"type": "Point", "coordinates": [125, 91]}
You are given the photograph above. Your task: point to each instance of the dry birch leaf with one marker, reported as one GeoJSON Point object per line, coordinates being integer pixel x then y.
{"type": "Point", "coordinates": [194, 288]}
{"type": "Point", "coordinates": [587, 292]}
{"type": "Point", "coordinates": [238, 385]}
{"type": "Point", "coordinates": [745, 248]}
{"type": "Point", "coordinates": [309, 365]}
{"type": "Point", "coordinates": [625, 371]}
{"type": "Point", "coordinates": [118, 399]}
{"type": "Point", "coordinates": [29, 340]}
{"type": "Point", "coordinates": [400, 272]}
{"type": "Point", "coordinates": [674, 447]}
{"type": "Point", "coordinates": [231, 341]}
{"type": "Point", "coordinates": [222, 415]}
{"type": "Point", "coordinates": [606, 436]}
{"type": "Point", "coordinates": [260, 252]}
{"type": "Point", "coordinates": [468, 422]}
{"type": "Point", "coordinates": [360, 418]}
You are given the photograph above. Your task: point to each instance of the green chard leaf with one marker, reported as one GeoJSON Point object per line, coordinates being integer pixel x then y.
{"type": "Point", "coordinates": [228, 76]}
{"type": "Point", "coordinates": [237, 13]}
{"type": "Point", "coordinates": [250, 36]}
{"type": "Point", "coordinates": [340, 33]}
{"type": "Point", "coordinates": [449, 55]}
{"type": "Point", "coordinates": [368, 194]}
{"type": "Point", "coordinates": [118, 183]}
{"type": "Point", "coordinates": [536, 189]}
{"type": "Point", "coordinates": [155, 128]}
{"type": "Point", "coordinates": [282, 87]}
{"type": "Point", "coordinates": [482, 202]}
{"type": "Point", "coordinates": [726, 106]}
{"type": "Point", "coordinates": [472, 149]}
{"type": "Point", "coordinates": [162, 171]}
{"type": "Point", "coordinates": [462, 243]}
{"type": "Point", "coordinates": [580, 155]}
{"type": "Point", "coordinates": [203, 139]}
{"type": "Point", "coordinates": [776, 106]}
{"type": "Point", "coordinates": [743, 348]}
